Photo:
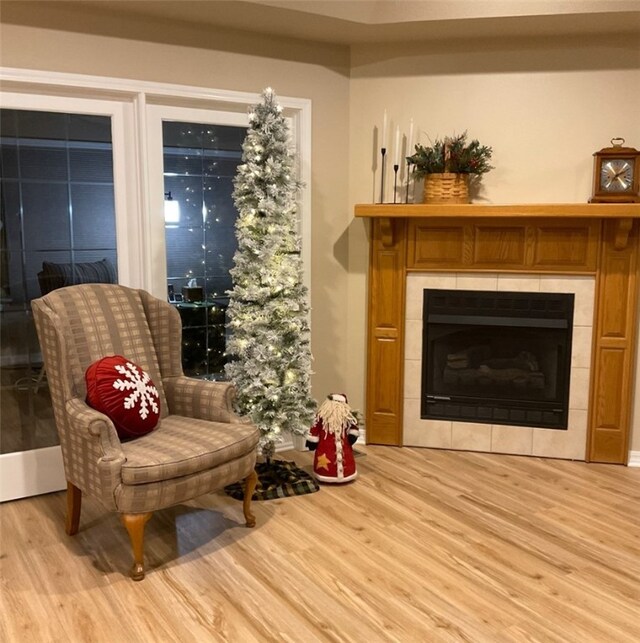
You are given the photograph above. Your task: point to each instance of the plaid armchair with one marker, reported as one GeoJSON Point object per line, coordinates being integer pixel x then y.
{"type": "Point", "coordinates": [200, 444]}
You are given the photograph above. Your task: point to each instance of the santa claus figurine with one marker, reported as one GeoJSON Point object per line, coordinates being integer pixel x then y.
{"type": "Point", "coordinates": [333, 432]}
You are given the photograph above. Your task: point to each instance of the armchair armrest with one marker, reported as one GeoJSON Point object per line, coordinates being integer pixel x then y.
{"type": "Point", "coordinates": [94, 457]}
{"type": "Point", "coordinates": [201, 399]}
{"type": "Point", "coordinates": [94, 427]}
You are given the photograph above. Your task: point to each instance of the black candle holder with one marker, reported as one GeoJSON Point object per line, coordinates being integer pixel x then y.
{"type": "Point", "coordinates": [396, 167]}
{"type": "Point", "coordinates": [383, 151]}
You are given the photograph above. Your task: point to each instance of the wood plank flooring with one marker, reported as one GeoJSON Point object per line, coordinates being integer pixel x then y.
{"type": "Point", "coordinates": [426, 545]}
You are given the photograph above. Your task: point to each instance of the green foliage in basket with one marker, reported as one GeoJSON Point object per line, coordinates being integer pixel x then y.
{"type": "Point", "coordinates": [451, 154]}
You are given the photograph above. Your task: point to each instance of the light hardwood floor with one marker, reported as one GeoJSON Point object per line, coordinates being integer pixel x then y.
{"type": "Point", "coordinates": [425, 546]}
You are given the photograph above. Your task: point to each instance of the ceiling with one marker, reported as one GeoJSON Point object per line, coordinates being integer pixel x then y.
{"type": "Point", "coordinates": [348, 22]}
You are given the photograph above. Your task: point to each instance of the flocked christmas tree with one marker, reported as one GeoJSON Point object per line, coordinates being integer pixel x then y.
{"type": "Point", "coordinates": [269, 349]}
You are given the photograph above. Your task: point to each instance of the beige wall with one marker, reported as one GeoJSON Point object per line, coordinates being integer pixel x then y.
{"type": "Point", "coordinates": [545, 105]}
{"type": "Point", "coordinates": [323, 78]}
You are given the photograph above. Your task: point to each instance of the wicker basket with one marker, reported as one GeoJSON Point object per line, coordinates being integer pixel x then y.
{"type": "Point", "coordinates": [446, 188]}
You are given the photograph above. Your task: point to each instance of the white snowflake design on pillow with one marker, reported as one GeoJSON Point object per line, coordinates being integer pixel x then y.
{"type": "Point", "coordinates": [142, 391]}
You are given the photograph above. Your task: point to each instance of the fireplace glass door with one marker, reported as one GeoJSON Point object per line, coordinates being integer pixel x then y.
{"type": "Point", "coordinates": [497, 357]}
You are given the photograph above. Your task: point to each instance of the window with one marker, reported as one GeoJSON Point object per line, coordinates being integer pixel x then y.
{"type": "Point", "coordinates": [200, 163]}
{"type": "Point", "coordinates": [58, 228]}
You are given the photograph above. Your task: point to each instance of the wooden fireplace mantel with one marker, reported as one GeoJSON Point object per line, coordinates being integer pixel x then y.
{"type": "Point", "coordinates": [622, 213]}
{"type": "Point", "coordinates": [600, 239]}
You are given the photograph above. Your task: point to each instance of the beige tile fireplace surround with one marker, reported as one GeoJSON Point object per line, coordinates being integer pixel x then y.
{"type": "Point", "coordinates": [497, 438]}
{"type": "Point", "coordinates": [590, 250]}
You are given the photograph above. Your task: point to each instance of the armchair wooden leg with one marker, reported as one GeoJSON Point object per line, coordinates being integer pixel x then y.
{"type": "Point", "coordinates": [250, 483]}
{"type": "Point", "coordinates": [134, 524]}
{"type": "Point", "coordinates": [74, 504]}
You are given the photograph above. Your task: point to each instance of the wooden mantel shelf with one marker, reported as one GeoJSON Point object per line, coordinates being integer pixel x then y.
{"type": "Point", "coordinates": [385, 213]}
{"type": "Point", "coordinates": [576, 210]}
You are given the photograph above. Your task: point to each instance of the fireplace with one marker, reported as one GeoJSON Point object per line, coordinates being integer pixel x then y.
{"type": "Point", "coordinates": [497, 357]}
{"type": "Point", "coordinates": [595, 246]}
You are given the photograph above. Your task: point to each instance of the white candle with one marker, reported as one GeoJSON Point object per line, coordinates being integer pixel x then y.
{"type": "Point", "coordinates": [383, 138]}
{"type": "Point", "coordinates": [396, 158]}
{"type": "Point", "coordinates": [410, 139]}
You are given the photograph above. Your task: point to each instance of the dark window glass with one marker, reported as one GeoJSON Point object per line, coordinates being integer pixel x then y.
{"type": "Point", "coordinates": [200, 163]}
{"type": "Point", "coordinates": [56, 207]}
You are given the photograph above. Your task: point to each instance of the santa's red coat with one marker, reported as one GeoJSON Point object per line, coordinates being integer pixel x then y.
{"type": "Point", "coordinates": [333, 460]}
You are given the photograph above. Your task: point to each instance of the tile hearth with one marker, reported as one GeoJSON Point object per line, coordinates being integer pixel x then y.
{"type": "Point", "coordinates": [569, 444]}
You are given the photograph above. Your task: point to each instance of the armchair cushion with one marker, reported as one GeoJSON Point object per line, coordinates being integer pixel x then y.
{"type": "Point", "coordinates": [125, 394]}
{"type": "Point", "coordinates": [182, 446]}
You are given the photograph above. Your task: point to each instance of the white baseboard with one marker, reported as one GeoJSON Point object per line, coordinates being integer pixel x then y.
{"type": "Point", "coordinates": [634, 459]}
{"type": "Point", "coordinates": [30, 473]}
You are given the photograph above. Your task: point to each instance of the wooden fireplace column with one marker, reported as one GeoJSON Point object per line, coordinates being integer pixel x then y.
{"type": "Point", "coordinates": [614, 336]}
{"type": "Point", "coordinates": [583, 239]}
{"type": "Point", "coordinates": [385, 344]}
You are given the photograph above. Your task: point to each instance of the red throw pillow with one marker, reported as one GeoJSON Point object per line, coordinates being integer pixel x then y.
{"type": "Point", "coordinates": [125, 394]}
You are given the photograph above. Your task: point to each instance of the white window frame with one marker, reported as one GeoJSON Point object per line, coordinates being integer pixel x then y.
{"type": "Point", "coordinates": [124, 158]}
{"type": "Point", "coordinates": [156, 115]}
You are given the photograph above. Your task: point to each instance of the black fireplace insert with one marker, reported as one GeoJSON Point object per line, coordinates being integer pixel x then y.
{"type": "Point", "coordinates": [497, 357]}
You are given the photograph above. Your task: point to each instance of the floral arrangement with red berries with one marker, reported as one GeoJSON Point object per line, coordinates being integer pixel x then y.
{"type": "Point", "coordinates": [451, 154]}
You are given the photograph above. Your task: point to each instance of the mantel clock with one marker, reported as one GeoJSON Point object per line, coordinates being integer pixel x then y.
{"type": "Point", "coordinates": [616, 177]}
